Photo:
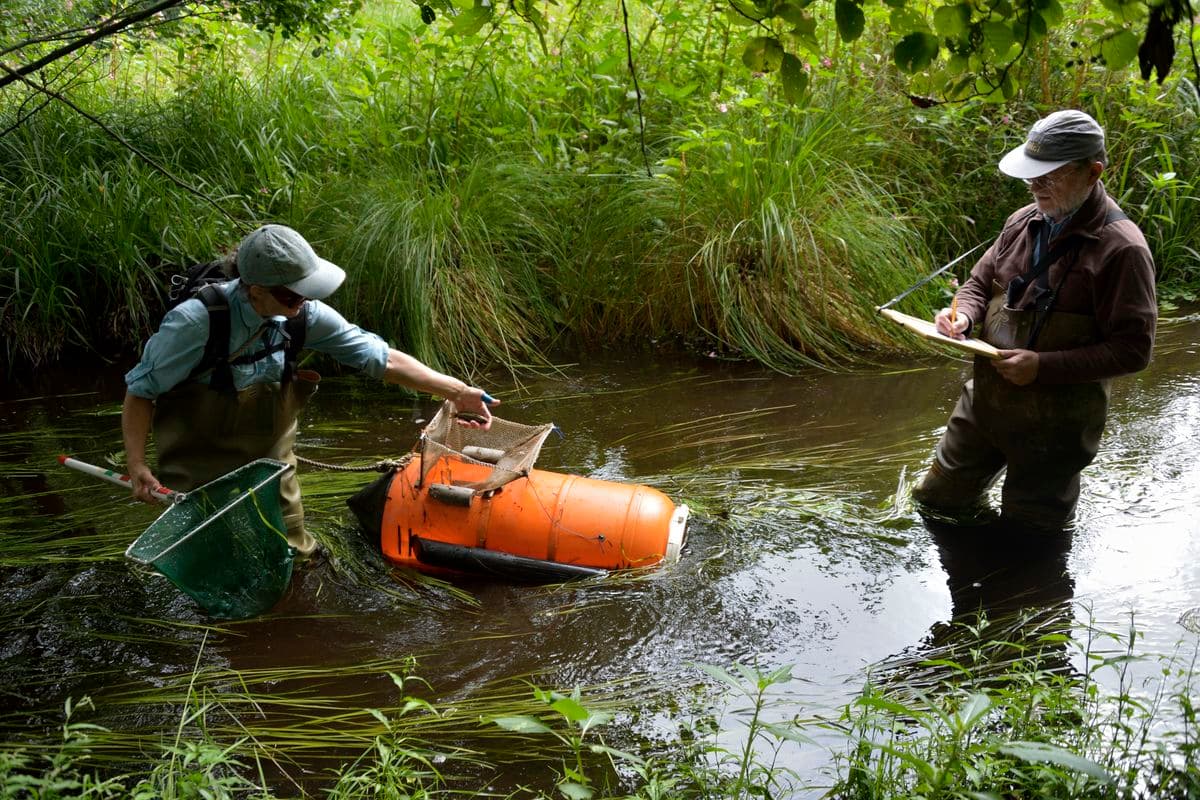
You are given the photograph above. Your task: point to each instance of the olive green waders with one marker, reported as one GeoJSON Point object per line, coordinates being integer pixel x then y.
{"type": "Point", "coordinates": [1043, 434]}
{"type": "Point", "coordinates": [202, 434]}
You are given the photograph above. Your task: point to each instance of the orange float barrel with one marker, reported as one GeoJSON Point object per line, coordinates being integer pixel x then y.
{"type": "Point", "coordinates": [545, 518]}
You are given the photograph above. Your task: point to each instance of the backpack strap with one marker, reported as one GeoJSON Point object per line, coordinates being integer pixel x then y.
{"type": "Point", "coordinates": [216, 349]}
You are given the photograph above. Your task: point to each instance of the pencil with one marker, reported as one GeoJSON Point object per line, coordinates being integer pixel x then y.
{"type": "Point", "coordinates": [954, 310]}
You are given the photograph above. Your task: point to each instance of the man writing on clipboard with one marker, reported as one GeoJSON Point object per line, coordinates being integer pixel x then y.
{"type": "Point", "coordinates": [1066, 293]}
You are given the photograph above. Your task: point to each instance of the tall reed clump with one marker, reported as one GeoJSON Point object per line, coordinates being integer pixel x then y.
{"type": "Point", "coordinates": [87, 224]}
{"type": "Point", "coordinates": [1150, 174]}
{"type": "Point", "coordinates": [445, 263]}
{"type": "Point", "coordinates": [786, 240]}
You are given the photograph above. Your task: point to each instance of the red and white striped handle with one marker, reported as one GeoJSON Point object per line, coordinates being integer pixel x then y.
{"type": "Point", "coordinates": [162, 494]}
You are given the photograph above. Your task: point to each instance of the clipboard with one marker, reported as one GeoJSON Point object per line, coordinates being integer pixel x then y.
{"type": "Point", "coordinates": [926, 329]}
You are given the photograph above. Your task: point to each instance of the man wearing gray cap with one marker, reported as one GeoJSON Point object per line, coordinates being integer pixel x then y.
{"type": "Point", "coordinates": [218, 381]}
{"type": "Point", "coordinates": [1066, 293]}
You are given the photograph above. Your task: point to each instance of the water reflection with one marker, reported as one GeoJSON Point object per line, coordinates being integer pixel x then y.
{"type": "Point", "coordinates": [1010, 589]}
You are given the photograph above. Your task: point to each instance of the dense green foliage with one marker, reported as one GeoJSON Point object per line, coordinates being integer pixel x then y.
{"type": "Point", "coordinates": [490, 197]}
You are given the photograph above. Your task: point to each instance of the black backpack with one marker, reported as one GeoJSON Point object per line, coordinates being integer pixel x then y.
{"type": "Point", "coordinates": [202, 281]}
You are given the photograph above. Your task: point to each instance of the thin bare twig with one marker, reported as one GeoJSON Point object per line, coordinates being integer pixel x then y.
{"type": "Point", "coordinates": [636, 89]}
{"type": "Point", "coordinates": [22, 116]}
{"type": "Point", "coordinates": [71, 34]}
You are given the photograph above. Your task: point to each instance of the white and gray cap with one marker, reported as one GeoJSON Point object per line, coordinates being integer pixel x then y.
{"type": "Point", "coordinates": [276, 255]}
{"type": "Point", "coordinates": [1054, 140]}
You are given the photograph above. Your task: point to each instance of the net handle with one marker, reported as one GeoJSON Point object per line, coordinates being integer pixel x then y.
{"type": "Point", "coordinates": [162, 494]}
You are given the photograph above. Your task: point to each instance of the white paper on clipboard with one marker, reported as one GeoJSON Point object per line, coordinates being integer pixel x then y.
{"type": "Point", "coordinates": [925, 328]}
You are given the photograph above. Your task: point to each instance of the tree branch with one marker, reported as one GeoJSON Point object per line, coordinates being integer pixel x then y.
{"type": "Point", "coordinates": [102, 32]}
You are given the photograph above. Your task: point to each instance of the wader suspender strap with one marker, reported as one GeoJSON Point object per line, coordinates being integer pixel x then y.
{"type": "Point", "coordinates": [294, 332]}
{"type": "Point", "coordinates": [216, 349]}
{"type": "Point", "coordinates": [1113, 215]}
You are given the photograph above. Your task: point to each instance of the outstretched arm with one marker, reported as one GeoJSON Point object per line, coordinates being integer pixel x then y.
{"type": "Point", "coordinates": [407, 371]}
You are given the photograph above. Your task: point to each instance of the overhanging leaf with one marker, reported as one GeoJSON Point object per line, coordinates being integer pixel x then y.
{"type": "Point", "coordinates": [806, 32]}
{"type": "Point", "coordinates": [915, 52]}
{"type": "Point", "coordinates": [791, 12]}
{"type": "Point", "coordinates": [742, 12]}
{"type": "Point", "coordinates": [952, 21]}
{"type": "Point", "coordinates": [470, 21]}
{"type": "Point", "coordinates": [906, 20]}
{"type": "Point", "coordinates": [997, 37]}
{"type": "Point", "coordinates": [1052, 12]}
{"type": "Point", "coordinates": [1119, 49]}
{"type": "Point", "coordinates": [850, 19]}
{"type": "Point", "coordinates": [1033, 26]}
{"type": "Point", "coordinates": [763, 54]}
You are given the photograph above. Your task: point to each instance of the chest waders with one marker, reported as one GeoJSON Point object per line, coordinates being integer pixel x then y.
{"type": "Point", "coordinates": [203, 430]}
{"type": "Point", "coordinates": [1044, 434]}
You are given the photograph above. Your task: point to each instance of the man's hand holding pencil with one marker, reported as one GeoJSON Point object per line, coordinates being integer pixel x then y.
{"type": "Point", "coordinates": [950, 323]}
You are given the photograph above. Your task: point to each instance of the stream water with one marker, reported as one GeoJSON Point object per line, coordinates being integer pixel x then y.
{"type": "Point", "coordinates": [803, 549]}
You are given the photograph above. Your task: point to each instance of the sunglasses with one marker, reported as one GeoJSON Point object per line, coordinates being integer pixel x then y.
{"type": "Point", "coordinates": [286, 296]}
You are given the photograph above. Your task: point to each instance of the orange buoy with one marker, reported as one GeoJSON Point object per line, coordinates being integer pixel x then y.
{"type": "Point", "coordinates": [545, 525]}
{"type": "Point", "coordinates": [469, 500]}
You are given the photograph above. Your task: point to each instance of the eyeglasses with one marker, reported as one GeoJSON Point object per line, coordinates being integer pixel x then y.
{"type": "Point", "coordinates": [1053, 177]}
{"type": "Point", "coordinates": [286, 296]}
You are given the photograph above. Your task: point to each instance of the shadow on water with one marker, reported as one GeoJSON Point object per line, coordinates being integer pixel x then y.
{"type": "Point", "coordinates": [804, 550]}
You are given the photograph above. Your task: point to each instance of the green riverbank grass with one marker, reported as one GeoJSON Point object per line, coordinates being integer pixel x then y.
{"type": "Point", "coordinates": [492, 202]}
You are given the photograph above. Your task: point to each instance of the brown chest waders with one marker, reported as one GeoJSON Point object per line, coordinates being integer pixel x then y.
{"type": "Point", "coordinates": [1044, 435]}
{"type": "Point", "coordinates": [203, 434]}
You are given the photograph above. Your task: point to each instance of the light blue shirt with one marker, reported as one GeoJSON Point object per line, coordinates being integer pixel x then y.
{"type": "Point", "coordinates": [174, 351]}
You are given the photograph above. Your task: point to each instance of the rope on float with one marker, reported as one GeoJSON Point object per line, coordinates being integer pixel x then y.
{"type": "Point", "coordinates": [386, 465]}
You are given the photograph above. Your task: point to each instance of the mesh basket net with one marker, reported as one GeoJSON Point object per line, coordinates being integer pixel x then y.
{"type": "Point", "coordinates": [509, 448]}
{"type": "Point", "coordinates": [225, 544]}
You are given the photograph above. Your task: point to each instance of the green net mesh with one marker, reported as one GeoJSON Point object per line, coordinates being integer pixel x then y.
{"type": "Point", "coordinates": [225, 544]}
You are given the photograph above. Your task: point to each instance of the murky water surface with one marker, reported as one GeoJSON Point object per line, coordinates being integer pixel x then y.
{"type": "Point", "coordinates": [803, 550]}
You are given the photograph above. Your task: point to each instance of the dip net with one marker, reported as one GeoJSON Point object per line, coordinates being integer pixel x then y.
{"type": "Point", "coordinates": [225, 544]}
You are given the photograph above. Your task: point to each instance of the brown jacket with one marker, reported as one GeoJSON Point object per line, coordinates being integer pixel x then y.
{"type": "Point", "coordinates": [1109, 275]}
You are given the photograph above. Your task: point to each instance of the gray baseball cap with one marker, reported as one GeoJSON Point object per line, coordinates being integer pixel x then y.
{"type": "Point", "coordinates": [275, 255]}
{"type": "Point", "coordinates": [1054, 140]}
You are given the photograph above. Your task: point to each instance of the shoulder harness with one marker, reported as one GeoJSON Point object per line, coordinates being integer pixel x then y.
{"type": "Point", "coordinates": [216, 349]}
{"type": "Point", "coordinates": [1039, 272]}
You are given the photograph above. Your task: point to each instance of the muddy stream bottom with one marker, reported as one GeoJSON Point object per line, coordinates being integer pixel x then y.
{"type": "Point", "coordinates": [803, 550]}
